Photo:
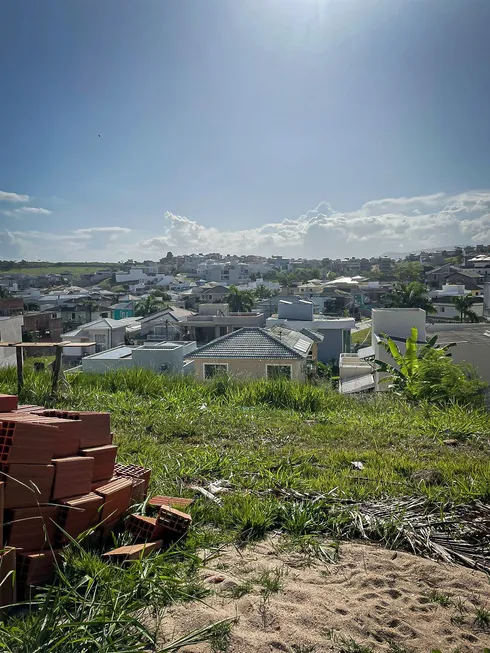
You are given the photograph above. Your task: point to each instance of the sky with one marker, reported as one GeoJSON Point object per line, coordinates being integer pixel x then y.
{"type": "Point", "coordinates": [307, 128]}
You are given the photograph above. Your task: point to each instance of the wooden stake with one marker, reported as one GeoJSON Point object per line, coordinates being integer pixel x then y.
{"type": "Point", "coordinates": [56, 370]}
{"type": "Point", "coordinates": [19, 352]}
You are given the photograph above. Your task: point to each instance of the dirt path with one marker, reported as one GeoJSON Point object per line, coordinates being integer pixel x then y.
{"type": "Point", "coordinates": [370, 597]}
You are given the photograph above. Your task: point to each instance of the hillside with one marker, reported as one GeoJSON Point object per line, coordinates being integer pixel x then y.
{"type": "Point", "coordinates": [286, 451]}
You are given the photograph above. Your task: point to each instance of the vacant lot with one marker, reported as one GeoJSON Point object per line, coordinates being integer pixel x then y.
{"type": "Point", "coordinates": [292, 459]}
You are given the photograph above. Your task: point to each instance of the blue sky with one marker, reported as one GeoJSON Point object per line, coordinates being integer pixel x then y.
{"type": "Point", "coordinates": [304, 127]}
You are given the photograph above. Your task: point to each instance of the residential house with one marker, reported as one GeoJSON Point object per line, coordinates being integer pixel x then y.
{"type": "Point", "coordinates": [42, 326]}
{"type": "Point", "coordinates": [211, 292]}
{"type": "Point", "coordinates": [472, 280]}
{"type": "Point", "coordinates": [436, 277]}
{"type": "Point", "coordinates": [215, 320]}
{"type": "Point", "coordinates": [74, 312]}
{"type": "Point", "coordinates": [11, 306]}
{"type": "Point", "coordinates": [10, 331]}
{"type": "Point", "coordinates": [168, 324]}
{"type": "Point", "coordinates": [230, 274]}
{"type": "Point", "coordinates": [123, 309]}
{"type": "Point", "coordinates": [162, 357]}
{"type": "Point", "coordinates": [256, 353]}
{"type": "Point", "coordinates": [443, 302]}
{"type": "Point", "coordinates": [357, 371]}
{"type": "Point", "coordinates": [105, 332]}
{"type": "Point", "coordinates": [298, 314]}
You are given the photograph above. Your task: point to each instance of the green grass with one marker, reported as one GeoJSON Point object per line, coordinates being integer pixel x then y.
{"type": "Point", "coordinates": [256, 436]}
{"type": "Point", "coordinates": [363, 336]}
{"type": "Point", "coordinates": [62, 268]}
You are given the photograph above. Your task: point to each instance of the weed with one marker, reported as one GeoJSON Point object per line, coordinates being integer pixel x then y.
{"type": "Point", "coordinates": [220, 639]}
{"type": "Point", "coordinates": [440, 597]}
{"type": "Point", "coordinates": [482, 618]}
{"type": "Point", "coordinates": [303, 648]}
{"type": "Point", "coordinates": [271, 582]}
{"type": "Point", "coordinates": [241, 589]}
{"type": "Point", "coordinates": [458, 620]}
{"type": "Point", "coordinates": [348, 645]}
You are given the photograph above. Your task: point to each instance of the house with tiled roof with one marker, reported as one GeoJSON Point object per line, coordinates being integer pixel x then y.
{"type": "Point", "coordinates": [256, 353]}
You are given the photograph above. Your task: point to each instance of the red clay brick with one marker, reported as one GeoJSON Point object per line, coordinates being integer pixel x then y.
{"type": "Point", "coordinates": [104, 457]}
{"type": "Point", "coordinates": [26, 485]}
{"type": "Point", "coordinates": [35, 568]}
{"type": "Point", "coordinates": [8, 584]}
{"type": "Point", "coordinates": [133, 552]}
{"type": "Point", "coordinates": [181, 502]}
{"type": "Point", "coordinates": [174, 521]}
{"type": "Point", "coordinates": [133, 471]}
{"type": "Point", "coordinates": [144, 529]}
{"type": "Point", "coordinates": [73, 476]}
{"type": "Point", "coordinates": [31, 529]}
{"type": "Point", "coordinates": [8, 403]}
{"type": "Point", "coordinates": [117, 497]}
{"type": "Point", "coordinates": [107, 528]}
{"type": "Point", "coordinates": [24, 442]}
{"type": "Point", "coordinates": [138, 493]}
{"type": "Point", "coordinates": [78, 514]}
{"type": "Point", "coordinates": [97, 484]}
{"type": "Point", "coordinates": [67, 436]}
{"type": "Point", "coordinates": [96, 427]}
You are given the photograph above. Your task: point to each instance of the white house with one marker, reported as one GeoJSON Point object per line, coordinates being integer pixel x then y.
{"type": "Point", "coordinates": [444, 304]}
{"type": "Point", "coordinates": [358, 370]}
{"type": "Point", "coordinates": [10, 331]}
{"type": "Point", "coordinates": [106, 333]}
{"type": "Point", "coordinates": [163, 357]}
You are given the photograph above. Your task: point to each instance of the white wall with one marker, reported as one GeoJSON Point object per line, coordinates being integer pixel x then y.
{"type": "Point", "coordinates": [10, 331]}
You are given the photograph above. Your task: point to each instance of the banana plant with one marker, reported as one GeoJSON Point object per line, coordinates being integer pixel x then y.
{"type": "Point", "coordinates": [403, 374]}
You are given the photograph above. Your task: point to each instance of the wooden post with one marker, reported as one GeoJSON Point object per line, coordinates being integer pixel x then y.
{"type": "Point", "coordinates": [19, 352]}
{"type": "Point", "coordinates": [56, 370]}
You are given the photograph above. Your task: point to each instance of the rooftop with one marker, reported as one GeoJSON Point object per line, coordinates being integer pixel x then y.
{"type": "Point", "coordinates": [255, 342]}
{"type": "Point", "coordinates": [477, 334]}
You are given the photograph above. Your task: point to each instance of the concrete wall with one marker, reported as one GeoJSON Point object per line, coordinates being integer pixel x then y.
{"type": "Point", "coordinates": [397, 322]}
{"type": "Point", "coordinates": [476, 354]}
{"type": "Point", "coordinates": [101, 366]}
{"type": "Point", "coordinates": [250, 368]}
{"type": "Point", "coordinates": [302, 310]}
{"type": "Point", "coordinates": [331, 346]}
{"type": "Point", "coordinates": [10, 331]}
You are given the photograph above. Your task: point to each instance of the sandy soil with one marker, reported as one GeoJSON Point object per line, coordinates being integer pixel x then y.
{"type": "Point", "coordinates": [370, 595]}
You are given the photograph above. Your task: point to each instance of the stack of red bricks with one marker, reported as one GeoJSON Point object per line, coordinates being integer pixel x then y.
{"type": "Point", "coordinates": [58, 479]}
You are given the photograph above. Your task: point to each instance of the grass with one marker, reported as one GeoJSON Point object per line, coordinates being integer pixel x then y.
{"type": "Point", "coordinates": [440, 597]}
{"type": "Point", "coordinates": [363, 336]}
{"type": "Point", "coordinates": [62, 268]}
{"type": "Point", "coordinates": [259, 437]}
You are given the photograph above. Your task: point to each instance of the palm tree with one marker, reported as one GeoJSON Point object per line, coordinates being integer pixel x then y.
{"type": "Point", "coordinates": [262, 292]}
{"type": "Point", "coordinates": [463, 306]}
{"type": "Point", "coordinates": [90, 305]}
{"type": "Point", "coordinates": [410, 295]}
{"type": "Point", "coordinates": [286, 279]}
{"type": "Point", "coordinates": [239, 301]}
{"type": "Point", "coordinates": [148, 306]}
{"type": "Point", "coordinates": [4, 293]}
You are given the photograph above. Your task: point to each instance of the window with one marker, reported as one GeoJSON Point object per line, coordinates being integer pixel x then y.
{"type": "Point", "coordinates": [104, 315]}
{"type": "Point", "coordinates": [73, 316]}
{"type": "Point", "coordinates": [100, 338]}
{"type": "Point", "coordinates": [442, 309]}
{"type": "Point", "coordinates": [278, 372]}
{"type": "Point", "coordinates": [210, 371]}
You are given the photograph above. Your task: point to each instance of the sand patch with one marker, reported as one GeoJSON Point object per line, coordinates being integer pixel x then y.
{"type": "Point", "coordinates": [371, 595]}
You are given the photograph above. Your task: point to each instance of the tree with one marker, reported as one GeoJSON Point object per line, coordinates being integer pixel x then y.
{"type": "Point", "coordinates": [148, 306]}
{"type": "Point", "coordinates": [286, 279]}
{"type": "Point", "coordinates": [4, 293]}
{"type": "Point", "coordinates": [90, 305]}
{"type": "Point", "coordinates": [409, 271]}
{"type": "Point", "coordinates": [169, 256]}
{"type": "Point", "coordinates": [162, 295]}
{"type": "Point", "coordinates": [410, 295]}
{"type": "Point", "coordinates": [463, 306]}
{"type": "Point", "coordinates": [262, 292]}
{"type": "Point", "coordinates": [239, 301]}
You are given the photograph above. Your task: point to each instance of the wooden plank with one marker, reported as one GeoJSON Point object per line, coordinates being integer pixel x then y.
{"type": "Point", "coordinates": [56, 371]}
{"type": "Point", "coordinates": [20, 369]}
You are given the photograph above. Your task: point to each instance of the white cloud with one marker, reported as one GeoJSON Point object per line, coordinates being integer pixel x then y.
{"type": "Point", "coordinates": [103, 230]}
{"type": "Point", "coordinates": [393, 224]}
{"type": "Point", "coordinates": [33, 210]}
{"type": "Point", "coordinates": [12, 197]}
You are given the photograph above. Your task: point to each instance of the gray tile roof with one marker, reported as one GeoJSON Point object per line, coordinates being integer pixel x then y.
{"type": "Point", "coordinates": [254, 342]}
